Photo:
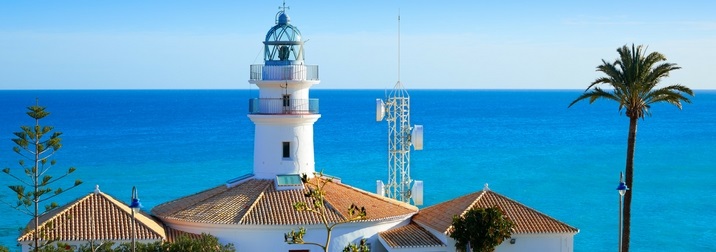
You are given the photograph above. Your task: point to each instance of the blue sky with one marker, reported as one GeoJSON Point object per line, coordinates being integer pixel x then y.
{"type": "Point", "coordinates": [444, 44]}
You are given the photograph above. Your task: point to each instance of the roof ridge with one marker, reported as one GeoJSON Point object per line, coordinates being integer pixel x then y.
{"type": "Point", "coordinates": [158, 229]}
{"type": "Point", "coordinates": [472, 205]}
{"type": "Point", "coordinates": [176, 200]}
{"type": "Point", "coordinates": [258, 198]}
{"type": "Point", "coordinates": [535, 210]}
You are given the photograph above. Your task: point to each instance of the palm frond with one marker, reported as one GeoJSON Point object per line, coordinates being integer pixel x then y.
{"type": "Point", "coordinates": [593, 95]}
{"type": "Point", "coordinates": [634, 76]}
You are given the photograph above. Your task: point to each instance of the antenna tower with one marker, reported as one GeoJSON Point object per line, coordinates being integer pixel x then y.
{"type": "Point", "coordinates": [401, 136]}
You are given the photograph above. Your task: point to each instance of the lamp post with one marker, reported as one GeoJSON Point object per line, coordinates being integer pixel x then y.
{"type": "Point", "coordinates": [622, 188]}
{"type": "Point", "coordinates": [135, 205]}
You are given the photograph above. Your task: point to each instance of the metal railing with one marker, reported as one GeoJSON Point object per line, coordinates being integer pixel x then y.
{"type": "Point", "coordinates": [284, 72]}
{"type": "Point", "coordinates": [277, 106]}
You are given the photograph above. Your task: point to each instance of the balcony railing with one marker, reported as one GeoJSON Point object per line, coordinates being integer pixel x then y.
{"type": "Point", "coordinates": [284, 72]}
{"type": "Point", "coordinates": [277, 106]}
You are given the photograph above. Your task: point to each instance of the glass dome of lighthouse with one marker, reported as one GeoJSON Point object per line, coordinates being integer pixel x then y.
{"type": "Point", "coordinates": [283, 45]}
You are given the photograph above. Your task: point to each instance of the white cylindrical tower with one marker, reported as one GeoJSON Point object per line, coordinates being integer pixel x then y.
{"type": "Point", "coordinates": [283, 114]}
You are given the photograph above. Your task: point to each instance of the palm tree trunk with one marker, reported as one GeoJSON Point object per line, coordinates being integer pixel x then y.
{"type": "Point", "coordinates": [631, 145]}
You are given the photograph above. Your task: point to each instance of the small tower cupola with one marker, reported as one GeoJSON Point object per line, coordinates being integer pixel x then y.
{"type": "Point", "coordinates": [283, 45]}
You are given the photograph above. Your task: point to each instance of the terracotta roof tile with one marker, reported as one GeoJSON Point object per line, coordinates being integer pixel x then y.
{"type": "Point", "coordinates": [341, 196]}
{"type": "Point", "coordinates": [257, 202]}
{"type": "Point", "coordinates": [174, 234]}
{"type": "Point", "coordinates": [410, 236]}
{"type": "Point", "coordinates": [526, 219]}
{"type": "Point", "coordinates": [96, 216]}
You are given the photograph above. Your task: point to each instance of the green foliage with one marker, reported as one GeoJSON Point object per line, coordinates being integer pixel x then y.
{"type": "Point", "coordinates": [360, 247]}
{"type": "Point", "coordinates": [141, 247]}
{"type": "Point", "coordinates": [482, 228]}
{"type": "Point", "coordinates": [59, 247]}
{"type": "Point", "coordinates": [93, 246]}
{"type": "Point", "coordinates": [4, 249]}
{"type": "Point", "coordinates": [205, 243]}
{"type": "Point", "coordinates": [316, 195]}
{"type": "Point", "coordinates": [295, 237]}
{"type": "Point", "coordinates": [36, 145]}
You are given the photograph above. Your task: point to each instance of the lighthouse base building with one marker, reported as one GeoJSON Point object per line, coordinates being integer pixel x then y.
{"type": "Point", "coordinates": [254, 214]}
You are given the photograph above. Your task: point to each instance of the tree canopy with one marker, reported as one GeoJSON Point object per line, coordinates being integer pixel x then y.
{"type": "Point", "coordinates": [481, 229]}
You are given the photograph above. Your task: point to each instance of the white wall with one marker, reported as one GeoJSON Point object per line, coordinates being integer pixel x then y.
{"type": "Point", "coordinates": [523, 242]}
{"type": "Point", "coordinates": [538, 243]}
{"type": "Point", "coordinates": [533, 243]}
{"type": "Point", "coordinates": [271, 238]}
{"type": "Point", "coordinates": [270, 132]}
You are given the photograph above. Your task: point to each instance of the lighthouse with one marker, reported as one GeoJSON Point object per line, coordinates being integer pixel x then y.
{"type": "Point", "coordinates": [283, 114]}
{"type": "Point", "coordinates": [254, 211]}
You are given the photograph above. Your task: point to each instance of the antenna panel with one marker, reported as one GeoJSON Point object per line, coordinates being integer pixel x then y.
{"type": "Point", "coordinates": [380, 188]}
{"type": "Point", "coordinates": [417, 137]}
{"type": "Point", "coordinates": [379, 110]}
{"type": "Point", "coordinates": [417, 192]}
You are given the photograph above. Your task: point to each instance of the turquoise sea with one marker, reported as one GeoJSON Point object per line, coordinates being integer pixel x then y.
{"type": "Point", "coordinates": [526, 144]}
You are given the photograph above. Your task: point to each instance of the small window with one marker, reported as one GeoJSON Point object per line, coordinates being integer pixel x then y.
{"type": "Point", "coordinates": [286, 100]}
{"type": "Point", "coordinates": [286, 149]}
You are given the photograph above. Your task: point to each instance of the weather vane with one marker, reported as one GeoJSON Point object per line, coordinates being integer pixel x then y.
{"type": "Point", "coordinates": [284, 7]}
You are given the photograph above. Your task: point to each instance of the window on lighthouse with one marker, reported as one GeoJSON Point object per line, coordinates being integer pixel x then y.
{"type": "Point", "coordinates": [286, 149]}
{"type": "Point", "coordinates": [286, 100]}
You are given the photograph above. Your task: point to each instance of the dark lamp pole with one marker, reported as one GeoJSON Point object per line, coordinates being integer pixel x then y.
{"type": "Point", "coordinates": [622, 188]}
{"type": "Point", "coordinates": [135, 206]}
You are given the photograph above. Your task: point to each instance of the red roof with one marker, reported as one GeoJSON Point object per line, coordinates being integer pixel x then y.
{"type": "Point", "coordinates": [410, 236]}
{"type": "Point", "coordinates": [98, 217]}
{"type": "Point", "coordinates": [258, 202]}
{"type": "Point", "coordinates": [526, 219]}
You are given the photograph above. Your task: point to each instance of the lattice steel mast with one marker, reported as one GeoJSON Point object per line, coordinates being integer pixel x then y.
{"type": "Point", "coordinates": [396, 111]}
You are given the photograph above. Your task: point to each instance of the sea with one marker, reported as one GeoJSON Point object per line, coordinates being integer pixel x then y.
{"type": "Point", "coordinates": [526, 144]}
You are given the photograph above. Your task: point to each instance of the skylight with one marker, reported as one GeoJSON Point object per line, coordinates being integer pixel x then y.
{"type": "Point", "coordinates": [288, 180]}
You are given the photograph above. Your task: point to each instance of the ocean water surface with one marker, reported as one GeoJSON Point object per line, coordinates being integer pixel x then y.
{"type": "Point", "coordinates": [526, 144]}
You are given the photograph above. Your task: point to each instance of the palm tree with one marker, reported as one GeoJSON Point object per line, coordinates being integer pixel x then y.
{"type": "Point", "coordinates": [632, 80]}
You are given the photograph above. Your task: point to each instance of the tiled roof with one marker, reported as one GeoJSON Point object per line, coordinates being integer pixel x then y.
{"type": "Point", "coordinates": [173, 234]}
{"type": "Point", "coordinates": [526, 219]}
{"type": "Point", "coordinates": [410, 236]}
{"type": "Point", "coordinates": [257, 202]}
{"type": "Point", "coordinates": [98, 217]}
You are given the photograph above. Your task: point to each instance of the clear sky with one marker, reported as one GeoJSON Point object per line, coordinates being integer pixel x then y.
{"type": "Point", "coordinates": [444, 44]}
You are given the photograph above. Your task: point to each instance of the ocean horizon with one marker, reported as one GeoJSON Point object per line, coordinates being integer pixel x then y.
{"type": "Point", "coordinates": [526, 144]}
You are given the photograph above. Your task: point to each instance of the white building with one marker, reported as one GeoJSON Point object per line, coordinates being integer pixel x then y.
{"type": "Point", "coordinates": [96, 218]}
{"type": "Point", "coordinates": [255, 211]}
{"type": "Point", "coordinates": [534, 231]}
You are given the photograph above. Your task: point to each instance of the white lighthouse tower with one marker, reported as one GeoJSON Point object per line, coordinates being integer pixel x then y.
{"type": "Point", "coordinates": [283, 114]}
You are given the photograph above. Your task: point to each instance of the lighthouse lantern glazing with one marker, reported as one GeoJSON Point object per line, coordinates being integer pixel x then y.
{"type": "Point", "coordinates": [283, 114]}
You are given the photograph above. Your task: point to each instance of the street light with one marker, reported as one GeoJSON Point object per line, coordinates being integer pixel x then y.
{"type": "Point", "coordinates": [136, 205]}
{"type": "Point", "coordinates": [622, 188]}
